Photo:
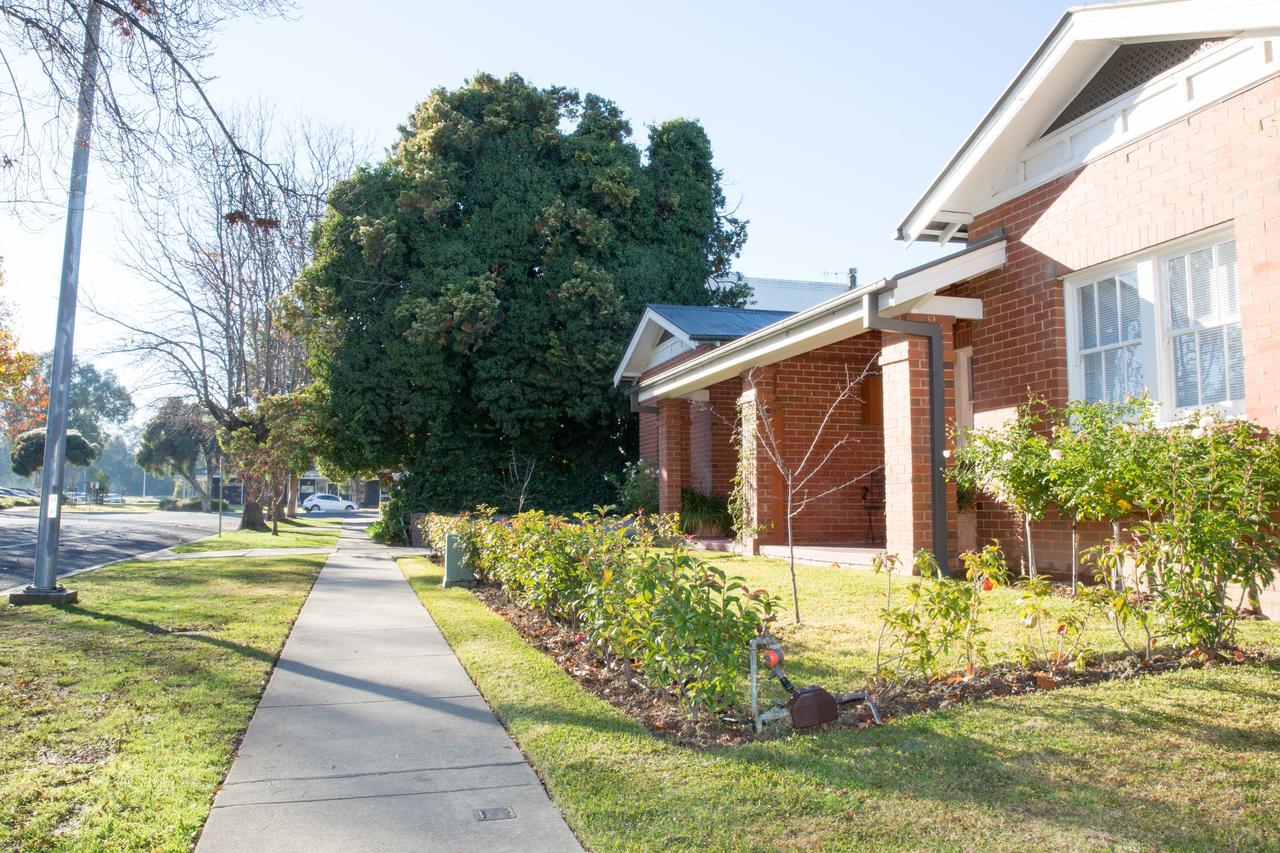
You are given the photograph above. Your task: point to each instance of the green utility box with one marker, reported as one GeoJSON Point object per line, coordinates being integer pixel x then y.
{"type": "Point", "coordinates": [456, 572]}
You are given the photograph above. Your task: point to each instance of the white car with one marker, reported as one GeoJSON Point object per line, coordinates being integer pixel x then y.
{"type": "Point", "coordinates": [327, 503]}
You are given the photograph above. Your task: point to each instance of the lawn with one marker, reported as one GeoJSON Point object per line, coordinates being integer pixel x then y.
{"type": "Point", "coordinates": [119, 715]}
{"type": "Point", "coordinates": [295, 533]}
{"type": "Point", "coordinates": [836, 641]}
{"type": "Point", "coordinates": [1186, 760]}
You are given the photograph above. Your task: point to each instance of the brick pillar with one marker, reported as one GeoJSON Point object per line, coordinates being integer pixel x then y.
{"type": "Point", "coordinates": [904, 361]}
{"type": "Point", "coordinates": [673, 452]}
{"type": "Point", "coordinates": [765, 499]}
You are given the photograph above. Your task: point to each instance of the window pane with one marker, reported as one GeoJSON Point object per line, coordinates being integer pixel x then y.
{"type": "Point", "coordinates": [1228, 288]}
{"type": "Point", "coordinates": [1135, 380]}
{"type": "Point", "coordinates": [1114, 388]}
{"type": "Point", "coordinates": [1202, 284]}
{"type": "Point", "coordinates": [1093, 377]}
{"type": "Point", "coordinates": [1175, 272]}
{"type": "Point", "coordinates": [1235, 362]}
{"type": "Point", "coordinates": [1130, 306]}
{"type": "Point", "coordinates": [1088, 320]}
{"type": "Point", "coordinates": [1108, 313]}
{"type": "Point", "coordinates": [1184, 370]}
{"type": "Point", "coordinates": [1213, 367]}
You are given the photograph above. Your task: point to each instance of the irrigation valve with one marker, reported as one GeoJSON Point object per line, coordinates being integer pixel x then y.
{"type": "Point", "coordinates": [807, 706]}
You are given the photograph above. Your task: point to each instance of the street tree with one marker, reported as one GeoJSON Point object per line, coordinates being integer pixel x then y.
{"type": "Point", "coordinates": [472, 292]}
{"type": "Point", "coordinates": [178, 440]}
{"type": "Point", "coordinates": [222, 257]}
{"type": "Point", "coordinates": [97, 402]}
{"type": "Point", "coordinates": [27, 451]}
{"type": "Point", "coordinates": [276, 442]}
{"type": "Point", "coordinates": [150, 88]}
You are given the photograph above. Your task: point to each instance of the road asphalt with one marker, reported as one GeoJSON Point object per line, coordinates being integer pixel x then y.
{"type": "Point", "coordinates": [92, 538]}
{"type": "Point", "coordinates": [371, 736]}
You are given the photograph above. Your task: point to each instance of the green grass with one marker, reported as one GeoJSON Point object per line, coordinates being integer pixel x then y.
{"type": "Point", "coordinates": [296, 533]}
{"type": "Point", "coordinates": [835, 642]}
{"type": "Point", "coordinates": [1185, 760]}
{"type": "Point", "coordinates": [115, 730]}
{"type": "Point", "coordinates": [7, 502]}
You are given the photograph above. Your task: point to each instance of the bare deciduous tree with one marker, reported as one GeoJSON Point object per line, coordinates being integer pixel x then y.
{"type": "Point", "coordinates": [222, 255]}
{"type": "Point", "coordinates": [150, 88]}
{"type": "Point", "coordinates": [797, 474]}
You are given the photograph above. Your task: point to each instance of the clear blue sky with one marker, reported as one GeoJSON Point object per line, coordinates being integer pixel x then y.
{"type": "Point", "coordinates": [828, 119]}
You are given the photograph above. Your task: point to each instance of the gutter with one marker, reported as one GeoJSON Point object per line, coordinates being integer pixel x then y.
{"type": "Point", "coordinates": [932, 333]}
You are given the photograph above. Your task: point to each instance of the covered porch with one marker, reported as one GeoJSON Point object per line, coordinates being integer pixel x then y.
{"type": "Point", "coordinates": [836, 413]}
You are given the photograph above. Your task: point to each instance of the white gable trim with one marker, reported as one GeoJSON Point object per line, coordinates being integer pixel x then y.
{"type": "Point", "coordinates": [638, 356]}
{"type": "Point", "coordinates": [1075, 49]}
{"type": "Point", "coordinates": [1205, 80]}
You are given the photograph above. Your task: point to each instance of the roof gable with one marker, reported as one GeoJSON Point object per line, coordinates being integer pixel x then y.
{"type": "Point", "coordinates": [1032, 134]}
{"type": "Point", "coordinates": [667, 331]}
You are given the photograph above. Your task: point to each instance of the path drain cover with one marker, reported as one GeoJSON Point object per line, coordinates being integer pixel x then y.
{"type": "Point", "coordinates": [495, 813]}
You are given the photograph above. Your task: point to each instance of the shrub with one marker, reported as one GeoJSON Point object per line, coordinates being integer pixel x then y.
{"type": "Point", "coordinates": [637, 487]}
{"type": "Point", "coordinates": [682, 624]}
{"type": "Point", "coordinates": [939, 627]}
{"type": "Point", "coordinates": [704, 515]}
{"type": "Point", "coordinates": [1209, 497]}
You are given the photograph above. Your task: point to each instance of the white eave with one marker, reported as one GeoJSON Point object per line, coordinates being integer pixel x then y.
{"type": "Point", "coordinates": [1081, 42]}
{"type": "Point", "coordinates": [834, 320]}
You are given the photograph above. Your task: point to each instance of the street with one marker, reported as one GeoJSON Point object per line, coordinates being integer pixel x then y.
{"type": "Point", "coordinates": [92, 538]}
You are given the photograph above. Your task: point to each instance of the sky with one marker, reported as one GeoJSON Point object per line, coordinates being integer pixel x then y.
{"type": "Point", "coordinates": [828, 119]}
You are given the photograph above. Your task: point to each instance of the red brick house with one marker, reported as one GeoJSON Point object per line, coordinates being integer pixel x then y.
{"type": "Point", "coordinates": [1119, 206]}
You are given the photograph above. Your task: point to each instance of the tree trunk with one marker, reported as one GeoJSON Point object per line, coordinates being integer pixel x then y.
{"type": "Point", "coordinates": [206, 497]}
{"type": "Point", "coordinates": [1117, 573]}
{"type": "Point", "coordinates": [251, 518]}
{"type": "Point", "coordinates": [291, 510]}
{"type": "Point", "coordinates": [791, 550]}
{"type": "Point", "coordinates": [1031, 548]}
{"type": "Point", "coordinates": [1075, 553]}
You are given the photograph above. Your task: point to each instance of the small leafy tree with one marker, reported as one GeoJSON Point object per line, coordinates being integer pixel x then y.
{"type": "Point", "coordinates": [280, 439]}
{"type": "Point", "coordinates": [1011, 463]}
{"type": "Point", "coordinates": [1092, 468]}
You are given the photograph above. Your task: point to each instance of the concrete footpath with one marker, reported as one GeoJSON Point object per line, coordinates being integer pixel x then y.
{"type": "Point", "coordinates": [370, 736]}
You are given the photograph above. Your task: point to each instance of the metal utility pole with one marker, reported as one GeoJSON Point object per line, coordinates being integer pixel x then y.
{"type": "Point", "coordinates": [46, 589]}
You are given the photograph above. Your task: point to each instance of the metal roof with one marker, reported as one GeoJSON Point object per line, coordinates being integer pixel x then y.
{"type": "Point", "coordinates": [708, 323]}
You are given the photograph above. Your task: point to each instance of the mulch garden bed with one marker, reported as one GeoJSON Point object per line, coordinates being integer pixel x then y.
{"type": "Point", "coordinates": [660, 712]}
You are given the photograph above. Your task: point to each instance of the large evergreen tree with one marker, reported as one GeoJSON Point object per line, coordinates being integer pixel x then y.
{"type": "Point", "coordinates": [473, 293]}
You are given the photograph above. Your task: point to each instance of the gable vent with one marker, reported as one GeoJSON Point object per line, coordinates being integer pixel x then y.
{"type": "Point", "coordinates": [1127, 69]}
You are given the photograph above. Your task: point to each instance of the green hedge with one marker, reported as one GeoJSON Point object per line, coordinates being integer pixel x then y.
{"type": "Point", "coordinates": [682, 624]}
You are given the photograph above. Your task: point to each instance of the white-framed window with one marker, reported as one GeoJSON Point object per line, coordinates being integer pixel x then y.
{"type": "Point", "coordinates": [1109, 344]}
{"type": "Point", "coordinates": [1202, 326]}
{"type": "Point", "coordinates": [1165, 323]}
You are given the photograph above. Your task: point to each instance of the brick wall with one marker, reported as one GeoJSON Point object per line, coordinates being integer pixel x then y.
{"type": "Point", "coordinates": [802, 391]}
{"type": "Point", "coordinates": [1219, 165]}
